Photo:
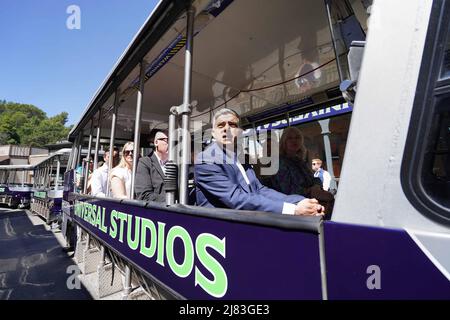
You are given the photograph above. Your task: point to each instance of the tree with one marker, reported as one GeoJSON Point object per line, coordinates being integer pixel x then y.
{"type": "Point", "coordinates": [28, 125]}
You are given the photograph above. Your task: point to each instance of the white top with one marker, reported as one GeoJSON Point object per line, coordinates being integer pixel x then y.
{"type": "Point", "coordinates": [99, 181]}
{"type": "Point", "coordinates": [326, 178]}
{"type": "Point", "coordinates": [123, 174]}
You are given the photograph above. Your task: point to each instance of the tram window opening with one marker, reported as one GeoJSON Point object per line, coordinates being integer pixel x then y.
{"type": "Point", "coordinates": [436, 169]}
{"type": "Point", "coordinates": [426, 162]}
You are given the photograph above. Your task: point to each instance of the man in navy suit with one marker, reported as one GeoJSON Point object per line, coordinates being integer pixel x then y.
{"type": "Point", "coordinates": [222, 181]}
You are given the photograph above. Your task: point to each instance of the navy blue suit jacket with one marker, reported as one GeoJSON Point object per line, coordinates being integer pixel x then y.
{"type": "Point", "coordinates": [219, 183]}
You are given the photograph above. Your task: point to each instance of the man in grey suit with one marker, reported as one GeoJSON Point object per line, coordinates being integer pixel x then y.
{"type": "Point", "coordinates": [150, 171]}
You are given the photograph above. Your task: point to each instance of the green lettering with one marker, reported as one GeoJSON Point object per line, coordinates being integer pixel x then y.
{"type": "Point", "coordinates": [185, 268]}
{"type": "Point", "coordinates": [122, 217]}
{"type": "Point", "coordinates": [93, 209]}
{"type": "Point", "coordinates": [98, 221]}
{"type": "Point", "coordinates": [161, 236]}
{"type": "Point", "coordinates": [219, 285]}
{"type": "Point", "coordinates": [103, 227]}
{"type": "Point", "coordinates": [77, 208]}
{"type": "Point", "coordinates": [113, 228]}
{"type": "Point", "coordinates": [148, 251]}
{"type": "Point", "coordinates": [133, 244]}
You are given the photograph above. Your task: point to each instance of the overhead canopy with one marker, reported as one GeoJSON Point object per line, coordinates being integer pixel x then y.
{"type": "Point", "coordinates": [20, 167]}
{"type": "Point", "coordinates": [249, 55]}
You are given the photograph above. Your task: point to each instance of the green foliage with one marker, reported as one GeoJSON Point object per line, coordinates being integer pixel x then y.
{"type": "Point", "coordinates": [26, 124]}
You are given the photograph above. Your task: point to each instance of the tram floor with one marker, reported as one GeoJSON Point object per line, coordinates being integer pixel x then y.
{"type": "Point", "coordinates": [32, 263]}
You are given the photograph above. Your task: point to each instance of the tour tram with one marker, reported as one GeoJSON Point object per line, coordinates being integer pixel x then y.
{"type": "Point", "coordinates": [47, 191]}
{"type": "Point", "coordinates": [15, 189]}
{"type": "Point", "coordinates": [370, 82]}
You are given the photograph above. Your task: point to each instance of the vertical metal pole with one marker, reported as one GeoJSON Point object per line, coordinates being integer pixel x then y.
{"type": "Point", "coordinates": [58, 167]}
{"type": "Point", "coordinates": [75, 154]}
{"type": "Point", "coordinates": [111, 140]}
{"type": "Point", "coordinates": [333, 40]}
{"type": "Point", "coordinates": [50, 174]}
{"type": "Point", "coordinates": [186, 112]}
{"type": "Point", "coordinates": [325, 126]}
{"type": "Point", "coordinates": [255, 138]}
{"type": "Point", "coordinates": [45, 176]}
{"type": "Point", "coordinates": [97, 140]}
{"type": "Point", "coordinates": [110, 160]}
{"type": "Point", "coordinates": [40, 177]}
{"type": "Point", "coordinates": [69, 162]}
{"type": "Point", "coordinates": [80, 150]}
{"type": "Point", "coordinates": [323, 264]}
{"type": "Point", "coordinates": [137, 133]}
{"type": "Point", "coordinates": [137, 125]}
{"type": "Point", "coordinates": [173, 154]}
{"type": "Point", "coordinates": [88, 158]}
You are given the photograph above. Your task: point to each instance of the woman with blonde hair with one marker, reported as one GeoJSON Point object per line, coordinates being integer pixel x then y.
{"type": "Point", "coordinates": [295, 176]}
{"type": "Point", "coordinates": [121, 174]}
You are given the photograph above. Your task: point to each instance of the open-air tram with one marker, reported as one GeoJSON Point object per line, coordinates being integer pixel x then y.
{"type": "Point", "coordinates": [15, 186]}
{"type": "Point", "coordinates": [368, 85]}
{"type": "Point", "coordinates": [47, 190]}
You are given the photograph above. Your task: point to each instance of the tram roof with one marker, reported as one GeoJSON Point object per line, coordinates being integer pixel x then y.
{"type": "Point", "coordinates": [20, 167]}
{"type": "Point", "coordinates": [246, 56]}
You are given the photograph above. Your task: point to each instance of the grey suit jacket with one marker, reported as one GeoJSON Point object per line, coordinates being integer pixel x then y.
{"type": "Point", "coordinates": [149, 184]}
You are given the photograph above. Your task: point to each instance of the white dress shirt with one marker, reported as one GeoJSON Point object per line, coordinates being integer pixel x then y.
{"type": "Point", "coordinates": [161, 162]}
{"type": "Point", "coordinates": [99, 180]}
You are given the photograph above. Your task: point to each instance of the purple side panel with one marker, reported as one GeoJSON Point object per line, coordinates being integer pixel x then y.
{"type": "Point", "coordinates": [56, 205]}
{"type": "Point", "coordinates": [260, 263]}
{"type": "Point", "coordinates": [405, 271]}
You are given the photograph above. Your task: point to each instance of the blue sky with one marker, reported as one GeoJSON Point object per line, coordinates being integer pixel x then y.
{"type": "Point", "coordinates": [44, 63]}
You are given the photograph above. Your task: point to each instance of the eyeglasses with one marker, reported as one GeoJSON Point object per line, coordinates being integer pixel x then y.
{"type": "Point", "coordinates": [128, 152]}
{"type": "Point", "coordinates": [164, 139]}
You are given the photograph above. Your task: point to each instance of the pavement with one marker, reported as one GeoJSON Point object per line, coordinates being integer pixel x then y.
{"type": "Point", "coordinates": [32, 263]}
